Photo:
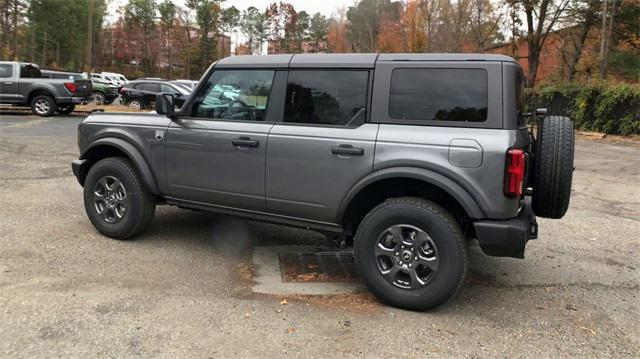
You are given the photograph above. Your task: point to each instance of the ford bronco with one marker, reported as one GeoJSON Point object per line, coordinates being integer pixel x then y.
{"type": "Point", "coordinates": [404, 157]}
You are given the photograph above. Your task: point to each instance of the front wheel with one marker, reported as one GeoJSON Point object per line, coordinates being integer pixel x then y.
{"type": "Point", "coordinates": [411, 253]}
{"type": "Point", "coordinates": [116, 199]}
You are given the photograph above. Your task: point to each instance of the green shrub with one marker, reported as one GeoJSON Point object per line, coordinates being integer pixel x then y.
{"type": "Point", "coordinates": [613, 109]}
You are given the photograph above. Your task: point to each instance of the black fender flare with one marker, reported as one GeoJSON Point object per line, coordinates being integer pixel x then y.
{"type": "Point", "coordinates": [456, 191]}
{"type": "Point", "coordinates": [134, 154]}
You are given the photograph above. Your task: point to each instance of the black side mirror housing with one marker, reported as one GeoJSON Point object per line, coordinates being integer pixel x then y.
{"type": "Point", "coordinates": [165, 105]}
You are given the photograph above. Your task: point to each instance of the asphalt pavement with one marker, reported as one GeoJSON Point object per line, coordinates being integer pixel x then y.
{"type": "Point", "coordinates": [184, 288]}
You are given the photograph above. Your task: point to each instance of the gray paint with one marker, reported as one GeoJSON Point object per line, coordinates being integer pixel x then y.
{"type": "Point", "coordinates": [293, 177]}
{"type": "Point", "coordinates": [17, 90]}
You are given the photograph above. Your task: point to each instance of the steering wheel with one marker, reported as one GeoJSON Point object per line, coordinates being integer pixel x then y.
{"type": "Point", "coordinates": [244, 108]}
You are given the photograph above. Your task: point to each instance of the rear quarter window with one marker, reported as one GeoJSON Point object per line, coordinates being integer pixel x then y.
{"type": "Point", "coordinates": [437, 94]}
{"type": "Point", "coordinates": [6, 71]}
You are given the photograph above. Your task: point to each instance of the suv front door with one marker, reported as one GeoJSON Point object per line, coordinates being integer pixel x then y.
{"type": "Point", "coordinates": [322, 147]}
{"type": "Point", "coordinates": [217, 154]}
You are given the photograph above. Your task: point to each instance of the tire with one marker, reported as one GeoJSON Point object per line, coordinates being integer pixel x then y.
{"type": "Point", "coordinates": [66, 109]}
{"type": "Point", "coordinates": [139, 205]}
{"type": "Point", "coordinates": [135, 104]}
{"type": "Point", "coordinates": [431, 287]}
{"type": "Point", "coordinates": [99, 97]}
{"type": "Point", "coordinates": [43, 105]}
{"type": "Point", "coordinates": [553, 167]}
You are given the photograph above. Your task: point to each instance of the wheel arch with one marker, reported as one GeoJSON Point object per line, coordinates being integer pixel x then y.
{"type": "Point", "coordinates": [112, 147]}
{"type": "Point", "coordinates": [402, 181]}
{"type": "Point", "coordinates": [40, 91]}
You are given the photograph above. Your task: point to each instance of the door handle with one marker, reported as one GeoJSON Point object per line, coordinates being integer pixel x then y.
{"type": "Point", "coordinates": [245, 142]}
{"type": "Point", "coordinates": [347, 150]}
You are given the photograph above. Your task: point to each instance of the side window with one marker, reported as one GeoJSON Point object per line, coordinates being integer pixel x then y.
{"type": "Point", "coordinates": [6, 71]}
{"type": "Point", "coordinates": [139, 86]}
{"type": "Point", "coordinates": [29, 71]}
{"type": "Point", "coordinates": [437, 94]}
{"type": "Point", "coordinates": [150, 87]}
{"type": "Point", "coordinates": [235, 95]}
{"type": "Point", "coordinates": [167, 89]}
{"type": "Point", "coordinates": [328, 97]}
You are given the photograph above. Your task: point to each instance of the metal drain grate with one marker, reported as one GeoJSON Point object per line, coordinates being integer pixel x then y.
{"type": "Point", "coordinates": [317, 266]}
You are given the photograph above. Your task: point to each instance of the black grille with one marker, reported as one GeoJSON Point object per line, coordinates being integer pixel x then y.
{"type": "Point", "coordinates": [317, 266]}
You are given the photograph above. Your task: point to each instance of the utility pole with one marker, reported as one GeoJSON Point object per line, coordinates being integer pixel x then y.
{"type": "Point", "coordinates": [89, 46]}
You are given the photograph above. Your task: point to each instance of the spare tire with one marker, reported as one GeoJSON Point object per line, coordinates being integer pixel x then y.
{"type": "Point", "coordinates": [553, 167]}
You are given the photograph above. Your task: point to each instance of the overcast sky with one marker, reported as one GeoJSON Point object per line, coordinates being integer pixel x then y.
{"type": "Point", "coordinates": [325, 7]}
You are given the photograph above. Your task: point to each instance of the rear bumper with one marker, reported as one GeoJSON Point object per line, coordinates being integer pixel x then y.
{"type": "Point", "coordinates": [73, 100]}
{"type": "Point", "coordinates": [508, 238]}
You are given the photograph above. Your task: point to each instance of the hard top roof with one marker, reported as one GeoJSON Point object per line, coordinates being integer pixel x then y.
{"type": "Point", "coordinates": [345, 60]}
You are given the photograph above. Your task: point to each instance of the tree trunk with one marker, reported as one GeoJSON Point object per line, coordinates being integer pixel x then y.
{"type": "Point", "coordinates": [584, 31]}
{"type": "Point", "coordinates": [89, 46]}
{"type": "Point", "coordinates": [14, 43]}
{"type": "Point", "coordinates": [606, 44]}
{"type": "Point", "coordinates": [169, 53]}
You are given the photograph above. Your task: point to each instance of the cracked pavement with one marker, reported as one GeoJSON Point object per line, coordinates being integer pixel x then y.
{"type": "Point", "coordinates": [183, 288]}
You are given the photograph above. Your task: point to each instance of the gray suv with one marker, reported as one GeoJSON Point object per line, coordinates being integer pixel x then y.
{"type": "Point", "coordinates": [405, 157]}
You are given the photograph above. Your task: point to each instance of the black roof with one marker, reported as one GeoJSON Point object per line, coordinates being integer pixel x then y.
{"type": "Point", "coordinates": [346, 60]}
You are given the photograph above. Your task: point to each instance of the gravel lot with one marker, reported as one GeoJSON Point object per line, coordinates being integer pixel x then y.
{"type": "Point", "coordinates": [183, 289]}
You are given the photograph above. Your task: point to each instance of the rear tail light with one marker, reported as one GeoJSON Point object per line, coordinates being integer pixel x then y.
{"type": "Point", "coordinates": [71, 87]}
{"type": "Point", "coordinates": [122, 90]}
{"type": "Point", "coordinates": [514, 173]}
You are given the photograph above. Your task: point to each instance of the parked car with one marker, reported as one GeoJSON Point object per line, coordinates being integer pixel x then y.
{"type": "Point", "coordinates": [102, 93]}
{"type": "Point", "coordinates": [190, 84]}
{"type": "Point", "coordinates": [95, 77]}
{"type": "Point", "coordinates": [22, 84]}
{"type": "Point", "coordinates": [139, 94]}
{"type": "Point", "coordinates": [402, 156]}
{"type": "Point", "coordinates": [119, 78]}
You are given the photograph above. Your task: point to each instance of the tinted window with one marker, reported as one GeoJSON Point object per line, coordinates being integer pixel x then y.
{"type": "Point", "coordinates": [6, 71]}
{"type": "Point", "coordinates": [439, 94]}
{"type": "Point", "coordinates": [151, 86]}
{"type": "Point", "coordinates": [29, 71]}
{"type": "Point", "coordinates": [235, 95]}
{"type": "Point", "coordinates": [167, 89]}
{"type": "Point", "coordinates": [326, 97]}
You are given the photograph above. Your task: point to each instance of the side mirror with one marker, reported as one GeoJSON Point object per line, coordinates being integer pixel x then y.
{"type": "Point", "coordinates": [165, 105]}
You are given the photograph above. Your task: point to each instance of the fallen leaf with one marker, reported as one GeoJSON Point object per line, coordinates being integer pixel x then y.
{"type": "Point", "coordinates": [291, 330]}
{"type": "Point", "coordinates": [283, 302]}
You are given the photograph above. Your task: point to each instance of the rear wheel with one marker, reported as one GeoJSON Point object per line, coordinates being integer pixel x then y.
{"type": "Point", "coordinates": [135, 104]}
{"type": "Point", "coordinates": [98, 97]}
{"type": "Point", "coordinates": [66, 109]}
{"type": "Point", "coordinates": [553, 167]}
{"type": "Point", "coordinates": [43, 105]}
{"type": "Point", "coordinates": [116, 199]}
{"type": "Point", "coordinates": [411, 253]}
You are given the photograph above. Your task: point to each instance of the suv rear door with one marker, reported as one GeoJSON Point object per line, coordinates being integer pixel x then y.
{"type": "Point", "coordinates": [323, 144]}
{"type": "Point", "coordinates": [216, 154]}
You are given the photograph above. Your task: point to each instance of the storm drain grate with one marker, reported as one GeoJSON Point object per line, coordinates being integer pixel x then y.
{"type": "Point", "coordinates": [317, 266]}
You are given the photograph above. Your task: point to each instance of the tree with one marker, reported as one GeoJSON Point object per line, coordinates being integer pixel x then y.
{"type": "Point", "coordinates": [167, 11]}
{"type": "Point", "coordinates": [230, 20]}
{"type": "Point", "coordinates": [301, 33]}
{"type": "Point", "coordinates": [282, 20]}
{"type": "Point", "coordinates": [318, 28]}
{"type": "Point", "coordinates": [485, 23]}
{"type": "Point", "coordinates": [254, 25]}
{"type": "Point", "coordinates": [337, 38]}
{"type": "Point", "coordinates": [582, 14]}
{"type": "Point", "coordinates": [541, 16]}
{"type": "Point", "coordinates": [207, 17]}
{"type": "Point", "coordinates": [414, 24]}
{"type": "Point", "coordinates": [140, 14]}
